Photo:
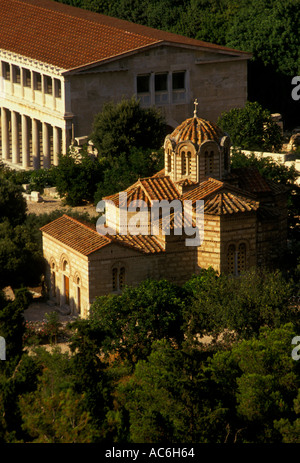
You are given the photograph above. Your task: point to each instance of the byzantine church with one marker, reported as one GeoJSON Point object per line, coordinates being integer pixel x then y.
{"type": "Point", "coordinates": [245, 224]}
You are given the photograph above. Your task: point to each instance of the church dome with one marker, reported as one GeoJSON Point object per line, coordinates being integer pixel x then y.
{"type": "Point", "coordinates": [197, 131]}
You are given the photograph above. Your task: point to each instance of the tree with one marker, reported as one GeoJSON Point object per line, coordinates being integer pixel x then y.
{"type": "Point", "coordinates": [12, 204]}
{"type": "Point", "coordinates": [12, 324]}
{"type": "Point", "coordinates": [218, 304]}
{"type": "Point", "coordinates": [90, 377]}
{"type": "Point", "coordinates": [124, 126]}
{"type": "Point", "coordinates": [276, 26]}
{"type": "Point", "coordinates": [21, 261]}
{"type": "Point", "coordinates": [170, 398]}
{"type": "Point", "coordinates": [251, 128]}
{"type": "Point", "coordinates": [121, 172]}
{"type": "Point", "coordinates": [132, 321]}
{"type": "Point", "coordinates": [258, 381]}
{"type": "Point", "coordinates": [77, 177]}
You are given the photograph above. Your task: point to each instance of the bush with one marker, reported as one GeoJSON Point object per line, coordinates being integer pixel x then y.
{"type": "Point", "coordinates": [251, 128]}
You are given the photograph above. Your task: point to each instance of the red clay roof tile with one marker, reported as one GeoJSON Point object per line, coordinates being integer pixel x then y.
{"type": "Point", "coordinates": [85, 239]}
{"type": "Point", "coordinates": [69, 37]}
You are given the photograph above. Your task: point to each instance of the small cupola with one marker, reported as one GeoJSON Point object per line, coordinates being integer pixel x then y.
{"type": "Point", "coordinates": [197, 149]}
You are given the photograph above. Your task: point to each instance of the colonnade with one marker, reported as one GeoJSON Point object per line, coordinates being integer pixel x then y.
{"type": "Point", "coordinates": [30, 143]}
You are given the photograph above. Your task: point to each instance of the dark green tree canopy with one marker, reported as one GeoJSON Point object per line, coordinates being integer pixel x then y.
{"type": "Point", "coordinates": [251, 128]}
{"type": "Point", "coordinates": [124, 126]}
{"type": "Point", "coordinates": [12, 204]}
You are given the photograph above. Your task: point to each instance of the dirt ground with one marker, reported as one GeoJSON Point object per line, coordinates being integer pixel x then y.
{"type": "Point", "coordinates": [50, 204]}
{"type": "Point", "coordinates": [37, 310]}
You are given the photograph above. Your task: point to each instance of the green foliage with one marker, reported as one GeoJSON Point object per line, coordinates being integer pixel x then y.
{"type": "Point", "coordinates": [54, 412]}
{"type": "Point", "coordinates": [21, 261]}
{"type": "Point", "coordinates": [123, 171]}
{"type": "Point", "coordinates": [77, 177]}
{"type": "Point", "coordinates": [170, 398]}
{"type": "Point", "coordinates": [276, 37]}
{"type": "Point", "coordinates": [262, 380]}
{"type": "Point", "coordinates": [12, 204]}
{"type": "Point", "coordinates": [124, 126]}
{"type": "Point", "coordinates": [12, 325]}
{"type": "Point", "coordinates": [219, 304]}
{"type": "Point", "coordinates": [53, 325]}
{"type": "Point", "coordinates": [267, 167]}
{"type": "Point", "coordinates": [251, 128]}
{"type": "Point", "coordinates": [133, 320]}
{"type": "Point", "coordinates": [56, 418]}
{"type": "Point", "coordinates": [285, 175]}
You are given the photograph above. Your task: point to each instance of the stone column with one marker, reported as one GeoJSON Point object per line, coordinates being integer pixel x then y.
{"type": "Point", "coordinates": [46, 146]}
{"type": "Point", "coordinates": [4, 134]}
{"type": "Point", "coordinates": [35, 144]}
{"type": "Point", "coordinates": [25, 143]}
{"type": "Point", "coordinates": [66, 138]}
{"type": "Point", "coordinates": [56, 145]}
{"type": "Point", "coordinates": [152, 88]}
{"type": "Point", "coordinates": [15, 138]}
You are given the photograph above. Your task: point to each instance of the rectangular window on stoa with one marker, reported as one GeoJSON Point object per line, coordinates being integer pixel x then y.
{"type": "Point", "coordinates": [143, 84]}
{"type": "Point", "coordinates": [178, 80]}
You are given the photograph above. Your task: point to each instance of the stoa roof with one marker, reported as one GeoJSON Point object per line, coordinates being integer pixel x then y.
{"type": "Point", "coordinates": [70, 38]}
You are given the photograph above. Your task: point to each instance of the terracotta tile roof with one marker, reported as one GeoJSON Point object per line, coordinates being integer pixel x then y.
{"type": "Point", "coordinates": [84, 238]}
{"type": "Point", "coordinates": [221, 198]}
{"type": "Point", "coordinates": [224, 203]}
{"type": "Point", "coordinates": [78, 236]}
{"type": "Point", "coordinates": [176, 219]}
{"type": "Point", "coordinates": [204, 189]}
{"type": "Point", "coordinates": [160, 173]}
{"type": "Point", "coordinates": [251, 180]}
{"type": "Point", "coordinates": [278, 188]}
{"type": "Point", "coordinates": [159, 188]}
{"type": "Point", "coordinates": [68, 37]}
{"type": "Point", "coordinates": [147, 244]}
{"type": "Point", "coordinates": [197, 130]}
{"type": "Point", "coordinates": [185, 182]}
{"type": "Point", "coordinates": [148, 189]}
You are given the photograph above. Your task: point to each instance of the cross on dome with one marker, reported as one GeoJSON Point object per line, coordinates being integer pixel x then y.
{"type": "Point", "coordinates": [195, 110]}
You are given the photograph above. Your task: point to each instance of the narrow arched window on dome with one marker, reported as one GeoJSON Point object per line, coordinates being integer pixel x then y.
{"type": "Point", "coordinates": [169, 160]}
{"type": "Point", "coordinates": [188, 163]}
{"type": "Point", "coordinates": [183, 163]}
{"type": "Point", "coordinates": [209, 162]}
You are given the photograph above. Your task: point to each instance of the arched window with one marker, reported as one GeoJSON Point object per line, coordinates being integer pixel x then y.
{"type": "Point", "coordinates": [209, 162]}
{"type": "Point", "coordinates": [121, 277]}
{"type": "Point", "coordinates": [186, 158]}
{"type": "Point", "coordinates": [118, 278]}
{"type": "Point", "coordinates": [65, 266]}
{"type": "Point", "coordinates": [231, 259]}
{"type": "Point", "coordinates": [66, 281]}
{"type": "Point", "coordinates": [53, 280]}
{"type": "Point", "coordinates": [78, 294]}
{"type": "Point", "coordinates": [183, 163]}
{"type": "Point", "coordinates": [241, 258]}
{"type": "Point", "coordinates": [169, 160]}
{"type": "Point", "coordinates": [188, 163]}
{"type": "Point", "coordinates": [236, 258]}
